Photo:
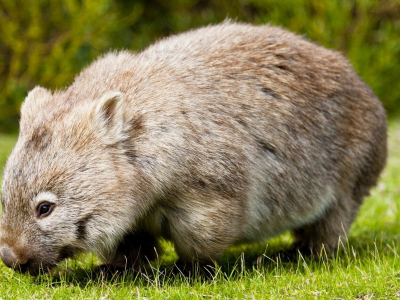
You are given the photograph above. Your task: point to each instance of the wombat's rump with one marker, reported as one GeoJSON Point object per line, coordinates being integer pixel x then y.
{"type": "Point", "coordinates": [227, 134]}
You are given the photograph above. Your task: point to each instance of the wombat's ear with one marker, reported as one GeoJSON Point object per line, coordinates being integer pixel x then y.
{"type": "Point", "coordinates": [109, 117]}
{"type": "Point", "coordinates": [34, 99]}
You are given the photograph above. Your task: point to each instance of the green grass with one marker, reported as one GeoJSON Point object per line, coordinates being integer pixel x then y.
{"type": "Point", "coordinates": [366, 267]}
{"type": "Point", "coordinates": [6, 144]}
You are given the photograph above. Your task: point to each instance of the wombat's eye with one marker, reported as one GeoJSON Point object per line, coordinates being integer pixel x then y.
{"type": "Point", "coordinates": [44, 209]}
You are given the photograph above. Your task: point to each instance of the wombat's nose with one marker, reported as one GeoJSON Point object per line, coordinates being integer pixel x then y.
{"type": "Point", "coordinates": [10, 259]}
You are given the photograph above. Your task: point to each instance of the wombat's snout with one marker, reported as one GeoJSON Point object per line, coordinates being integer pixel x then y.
{"type": "Point", "coordinates": [11, 260]}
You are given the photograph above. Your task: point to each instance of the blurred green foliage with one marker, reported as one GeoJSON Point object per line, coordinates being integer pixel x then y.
{"type": "Point", "coordinates": [44, 42]}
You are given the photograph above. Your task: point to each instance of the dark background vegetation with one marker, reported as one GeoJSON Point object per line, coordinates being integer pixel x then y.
{"type": "Point", "coordinates": [47, 43]}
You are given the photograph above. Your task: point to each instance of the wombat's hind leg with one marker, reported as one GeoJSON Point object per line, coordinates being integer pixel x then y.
{"type": "Point", "coordinates": [327, 232]}
{"type": "Point", "coordinates": [133, 252]}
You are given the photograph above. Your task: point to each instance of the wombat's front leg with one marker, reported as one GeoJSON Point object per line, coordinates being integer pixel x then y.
{"type": "Point", "coordinates": [134, 251]}
{"type": "Point", "coordinates": [202, 227]}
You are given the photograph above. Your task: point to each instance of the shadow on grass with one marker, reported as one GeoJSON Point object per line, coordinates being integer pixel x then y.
{"type": "Point", "coordinates": [276, 257]}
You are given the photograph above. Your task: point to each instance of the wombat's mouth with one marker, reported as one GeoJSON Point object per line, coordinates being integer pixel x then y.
{"type": "Point", "coordinates": [34, 268]}
{"type": "Point", "coordinates": [37, 267]}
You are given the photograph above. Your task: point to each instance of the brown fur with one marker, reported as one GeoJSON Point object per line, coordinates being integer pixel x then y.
{"type": "Point", "coordinates": [223, 135]}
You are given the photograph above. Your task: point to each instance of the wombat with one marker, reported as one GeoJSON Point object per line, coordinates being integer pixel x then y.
{"type": "Point", "coordinates": [223, 135]}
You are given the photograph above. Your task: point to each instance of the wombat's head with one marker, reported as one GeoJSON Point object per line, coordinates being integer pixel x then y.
{"type": "Point", "coordinates": [65, 186]}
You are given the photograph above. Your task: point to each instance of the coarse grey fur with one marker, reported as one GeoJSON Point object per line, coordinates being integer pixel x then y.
{"type": "Point", "coordinates": [222, 135]}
